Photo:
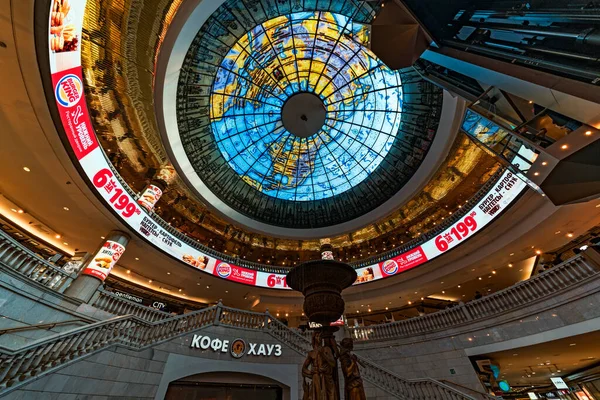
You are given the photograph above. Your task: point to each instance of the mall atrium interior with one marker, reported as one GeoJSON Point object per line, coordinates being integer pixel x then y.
{"type": "Point", "coordinates": [300, 199]}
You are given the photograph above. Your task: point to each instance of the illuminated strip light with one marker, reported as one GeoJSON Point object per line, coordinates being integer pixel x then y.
{"type": "Point", "coordinates": [69, 95]}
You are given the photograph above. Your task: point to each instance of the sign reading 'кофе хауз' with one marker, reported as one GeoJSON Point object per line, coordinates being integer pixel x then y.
{"type": "Point", "coordinates": [238, 347]}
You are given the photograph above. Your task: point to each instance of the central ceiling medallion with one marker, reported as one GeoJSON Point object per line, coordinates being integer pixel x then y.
{"type": "Point", "coordinates": [303, 115]}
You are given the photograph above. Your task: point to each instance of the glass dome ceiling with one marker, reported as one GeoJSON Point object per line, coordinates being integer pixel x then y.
{"type": "Point", "coordinates": [319, 147]}
{"type": "Point", "coordinates": [288, 117]}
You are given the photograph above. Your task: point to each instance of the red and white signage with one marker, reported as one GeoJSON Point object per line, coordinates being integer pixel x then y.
{"type": "Point", "coordinates": [65, 63]}
{"type": "Point", "coordinates": [150, 197]}
{"type": "Point", "coordinates": [403, 262]}
{"type": "Point", "coordinates": [104, 261]}
{"type": "Point", "coordinates": [235, 273]}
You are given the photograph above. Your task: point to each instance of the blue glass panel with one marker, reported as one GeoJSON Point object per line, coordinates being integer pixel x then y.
{"type": "Point", "coordinates": [318, 52]}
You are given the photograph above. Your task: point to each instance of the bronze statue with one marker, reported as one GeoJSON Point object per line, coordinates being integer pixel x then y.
{"type": "Point", "coordinates": [353, 384]}
{"type": "Point", "coordinates": [319, 367]}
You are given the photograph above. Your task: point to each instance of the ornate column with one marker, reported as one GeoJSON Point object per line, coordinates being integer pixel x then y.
{"type": "Point", "coordinates": [97, 268]}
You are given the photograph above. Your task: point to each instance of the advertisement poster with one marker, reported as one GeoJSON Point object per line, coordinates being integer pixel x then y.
{"type": "Point", "coordinates": [403, 262]}
{"type": "Point", "coordinates": [367, 274]}
{"type": "Point", "coordinates": [64, 48]}
{"type": "Point", "coordinates": [64, 38]}
{"type": "Point", "coordinates": [235, 273]}
{"type": "Point", "coordinates": [104, 261]}
{"type": "Point", "coordinates": [150, 197]}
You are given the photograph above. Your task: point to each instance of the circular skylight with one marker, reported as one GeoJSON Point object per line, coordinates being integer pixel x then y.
{"type": "Point", "coordinates": [301, 109]}
{"type": "Point", "coordinates": [286, 116]}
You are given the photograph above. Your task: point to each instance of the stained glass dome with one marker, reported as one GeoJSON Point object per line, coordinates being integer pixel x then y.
{"type": "Point", "coordinates": [288, 117]}
{"type": "Point", "coordinates": [321, 119]}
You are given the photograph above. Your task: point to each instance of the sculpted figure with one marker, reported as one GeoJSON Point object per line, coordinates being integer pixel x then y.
{"type": "Point", "coordinates": [353, 384]}
{"type": "Point", "coordinates": [318, 369]}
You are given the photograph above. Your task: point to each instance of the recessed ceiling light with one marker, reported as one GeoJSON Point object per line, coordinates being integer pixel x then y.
{"type": "Point", "coordinates": [65, 243]}
{"type": "Point", "coordinates": [443, 292]}
{"type": "Point", "coordinates": [13, 210]}
{"type": "Point", "coordinates": [20, 211]}
{"type": "Point", "coordinates": [538, 252]}
{"type": "Point", "coordinates": [588, 133]}
{"type": "Point", "coordinates": [510, 265]}
{"type": "Point", "coordinates": [198, 283]}
{"type": "Point", "coordinates": [573, 344]}
{"type": "Point", "coordinates": [545, 163]}
{"type": "Point", "coordinates": [208, 286]}
{"type": "Point", "coordinates": [102, 237]}
{"type": "Point", "coordinates": [180, 290]}
{"type": "Point", "coordinates": [168, 273]}
{"type": "Point", "coordinates": [128, 271]}
{"type": "Point", "coordinates": [494, 272]}
{"type": "Point", "coordinates": [536, 173]}
{"type": "Point", "coordinates": [66, 208]}
{"type": "Point", "coordinates": [409, 302]}
{"type": "Point", "coordinates": [137, 259]}
{"type": "Point", "coordinates": [480, 278]}
{"type": "Point", "coordinates": [57, 236]}
{"type": "Point", "coordinates": [150, 281]}
{"type": "Point", "coordinates": [511, 254]}
{"type": "Point", "coordinates": [459, 286]}
{"type": "Point", "coordinates": [569, 235]}
{"type": "Point", "coordinates": [564, 147]}
{"type": "Point", "coordinates": [26, 169]}
{"type": "Point", "coordinates": [227, 291]}
{"type": "Point", "coordinates": [386, 308]}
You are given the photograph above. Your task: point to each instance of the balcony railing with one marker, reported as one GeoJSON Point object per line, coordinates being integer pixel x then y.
{"type": "Point", "coordinates": [522, 294]}
{"type": "Point", "coordinates": [22, 260]}
{"type": "Point", "coordinates": [17, 367]}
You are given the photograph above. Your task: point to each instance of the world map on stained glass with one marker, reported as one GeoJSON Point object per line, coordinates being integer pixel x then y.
{"type": "Point", "coordinates": [305, 52]}
{"type": "Point", "coordinates": [250, 62]}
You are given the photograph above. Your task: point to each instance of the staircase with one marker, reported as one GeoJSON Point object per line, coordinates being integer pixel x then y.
{"type": "Point", "coordinates": [18, 367]}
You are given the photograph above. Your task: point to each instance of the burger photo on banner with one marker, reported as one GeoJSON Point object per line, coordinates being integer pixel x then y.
{"type": "Point", "coordinates": [66, 20]}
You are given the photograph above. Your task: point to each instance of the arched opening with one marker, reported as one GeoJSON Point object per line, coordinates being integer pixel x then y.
{"type": "Point", "coordinates": [227, 386]}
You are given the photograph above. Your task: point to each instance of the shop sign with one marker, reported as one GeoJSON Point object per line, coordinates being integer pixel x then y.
{"type": "Point", "coordinates": [159, 305]}
{"type": "Point", "coordinates": [238, 348]}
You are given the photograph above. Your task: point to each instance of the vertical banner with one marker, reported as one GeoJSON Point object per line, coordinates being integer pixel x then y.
{"type": "Point", "coordinates": [104, 261]}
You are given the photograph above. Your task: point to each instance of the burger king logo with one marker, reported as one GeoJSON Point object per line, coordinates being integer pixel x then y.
{"type": "Point", "coordinates": [390, 267]}
{"type": "Point", "coordinates": [224, 270]}
{"type": "Point", "coordinates": [69, 90]}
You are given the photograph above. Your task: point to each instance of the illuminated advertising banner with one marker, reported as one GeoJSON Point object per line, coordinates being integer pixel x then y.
{"type": "Point", "coordinates": [66, 19]}
{"type": "Point", "coordinates": [150, 197]}
{"type": "Point", "coordinates": [104, 261]}
{"type": "Point", "coordinates": [235, 273]}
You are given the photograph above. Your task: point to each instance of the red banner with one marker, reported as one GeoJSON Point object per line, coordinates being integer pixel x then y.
{"type": "Point", "coordinates": [70, 99]}
{"type": "Point", "coordinates": [235, 273]}
{"type": "Point", "coordinates": [403, 262]}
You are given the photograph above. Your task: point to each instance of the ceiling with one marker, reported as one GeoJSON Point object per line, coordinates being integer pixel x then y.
{"type": "Point", "coordinates": [53, 194]}
{"type": "Point", "coordinates": [535, 365]}
{"type": "Point", "coordinates": [248, 89]}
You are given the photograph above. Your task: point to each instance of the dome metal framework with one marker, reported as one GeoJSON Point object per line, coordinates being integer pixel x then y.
{"type": "Point", "coordinates": [355, 135]}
